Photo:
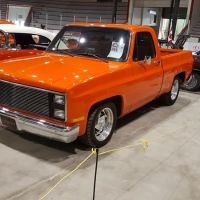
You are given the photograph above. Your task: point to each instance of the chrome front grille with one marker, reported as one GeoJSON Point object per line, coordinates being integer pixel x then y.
{"type": "Point", "coordinates": [27, 99]}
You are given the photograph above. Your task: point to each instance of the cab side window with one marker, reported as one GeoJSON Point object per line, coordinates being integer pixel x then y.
{"type": "Point", "coordinates": [144, 46]}
{"type": "Point", "coordinates": [25, 40]}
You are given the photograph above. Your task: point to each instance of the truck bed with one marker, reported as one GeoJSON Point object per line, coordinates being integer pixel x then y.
{"type": "Point", "coordinates": [175, 61]}
{"type": "Point", "coordinates": [175, 57]}
{"type": "Point", "coordinates": [166, 52]}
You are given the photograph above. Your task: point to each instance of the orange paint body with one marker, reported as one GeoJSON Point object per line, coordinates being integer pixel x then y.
{"type": "Point", "coordinates": [87, 81]}
{"type": "Point", "coordinates": [10, 54]}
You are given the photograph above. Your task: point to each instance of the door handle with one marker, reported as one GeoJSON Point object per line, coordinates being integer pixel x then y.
{"type": "Point", "coordinates": [157, 62]}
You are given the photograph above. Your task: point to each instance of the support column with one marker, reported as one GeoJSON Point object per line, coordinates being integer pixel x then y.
{"type": "Point", "coordinates": [114, 14]}
{"type": "Point", "coordinates": [189, 11]}
{"type": "Point", "coordinates": [131, 5]}
{"type": "Point", "coordinates": [142, 15]}
{"type": "Point", "coordinates": [170, 17]}
{"type": "Point", "coordinates": [189, 14]}
{"type": "Point", "coordinates": [175, 17]}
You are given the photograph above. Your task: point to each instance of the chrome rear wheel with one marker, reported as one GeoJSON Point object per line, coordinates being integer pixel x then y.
{"type": "Point", "coordinates": [175, 89]}
{"type": "Point", "coordinates": [170, 98]}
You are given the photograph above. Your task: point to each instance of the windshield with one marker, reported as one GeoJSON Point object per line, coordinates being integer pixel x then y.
{"type": "Point", "coordinates": [104, 43]}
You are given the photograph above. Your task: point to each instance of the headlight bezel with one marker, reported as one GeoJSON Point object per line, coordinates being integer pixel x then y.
{"type": "Point", "coordinates": [59, 107]}
{"type": "Point", "coordinates": [59, 114]}
{"type": "Point", "coordinates": [59, 99]}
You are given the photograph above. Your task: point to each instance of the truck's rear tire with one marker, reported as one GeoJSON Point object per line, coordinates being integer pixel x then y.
{"type": "Point", "coordinates": [100, 126]}
{"type": "Point", "coordinates": [193, 83]}
{"type": "Point", "coordinates": [170, 98]}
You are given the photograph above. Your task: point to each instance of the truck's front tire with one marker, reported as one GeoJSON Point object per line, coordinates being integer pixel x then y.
{"type": "Point", "coordinates": [171, 97]}
{"type": "Point", "coordinates": [100, 126]}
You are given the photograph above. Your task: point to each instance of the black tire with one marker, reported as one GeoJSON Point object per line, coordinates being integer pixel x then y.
{"type": "Point", "coordinates": [193, 83]}
{"type": "Point", "coordinates": [167, 99]}
{"type": "Point", "coordinates": [89, 138]}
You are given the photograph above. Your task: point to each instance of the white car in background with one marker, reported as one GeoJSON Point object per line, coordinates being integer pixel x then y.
{"type": "Point", "coordinates": [23, 37]}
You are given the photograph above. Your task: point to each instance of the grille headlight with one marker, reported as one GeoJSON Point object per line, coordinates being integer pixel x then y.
{"type": "Point", "coordinates": [58, 107]}
{"type": "Point", "coordinates": [60, 100]}
{"type": "Point", "coordinates": [60, 114]}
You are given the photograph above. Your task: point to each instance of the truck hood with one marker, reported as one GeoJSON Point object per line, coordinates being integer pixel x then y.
{"type": "Point", "coordinates": [11, 53]}
{"type": "Point", "coordinates": [52, 71]}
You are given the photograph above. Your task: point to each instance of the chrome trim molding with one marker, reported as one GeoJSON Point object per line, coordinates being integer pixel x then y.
{"type": "Point", "coordinates": [41, 127]}
{"type": "Point", "coordinates": [35, 88]}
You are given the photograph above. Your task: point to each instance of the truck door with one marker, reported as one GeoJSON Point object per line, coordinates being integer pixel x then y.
{"type": "Point", "coordinates": [147, 68]}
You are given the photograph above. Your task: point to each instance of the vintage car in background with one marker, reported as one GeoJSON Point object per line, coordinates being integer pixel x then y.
{"type": "Point", "coordinates": [5, 22]}
{"type": "Point", "coordinates": [193, 84]}
{"type": "Point", "coordinates": [17, 41]}
{"type": "Point", "coordinates": [24, 37]}
{"type": "Point", "coordinates": [91, 75]}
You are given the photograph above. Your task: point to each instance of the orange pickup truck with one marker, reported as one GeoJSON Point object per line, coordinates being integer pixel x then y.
{"type": "Point", "coordinates": [91, 75]}
{"type": "Point", "coordinates": [9, 53]}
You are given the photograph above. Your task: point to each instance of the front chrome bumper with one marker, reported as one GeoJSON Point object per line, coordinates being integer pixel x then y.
{"type": "Point", "coordinates": [41, 127]}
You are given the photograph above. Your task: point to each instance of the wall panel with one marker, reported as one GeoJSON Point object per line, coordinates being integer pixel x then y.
{"type": "Point", "coordinates": [82, 10]}
{"type": "Point", "coordinates": [158, 3]}
{"type": "Point", "coordinates": [195, 25]}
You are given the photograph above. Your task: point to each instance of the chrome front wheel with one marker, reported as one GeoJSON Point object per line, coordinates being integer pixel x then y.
{"type": "Point", "coordinates": [100, 126]}
{"type": "Point", "coordinates": [104, 124]}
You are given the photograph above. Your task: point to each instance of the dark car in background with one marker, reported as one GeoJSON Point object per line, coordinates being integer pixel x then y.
{"type": "Point", "coordinates": [193, 83]}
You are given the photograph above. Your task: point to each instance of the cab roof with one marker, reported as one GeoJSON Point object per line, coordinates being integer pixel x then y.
{"type": "Point", "coordinates": [122, 26]}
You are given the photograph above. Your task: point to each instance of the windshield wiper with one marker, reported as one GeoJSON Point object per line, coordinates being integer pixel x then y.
{"type": "Point", "coordinates": [62, 51]}
{"type": "Point", "coordinates": [92, 55]}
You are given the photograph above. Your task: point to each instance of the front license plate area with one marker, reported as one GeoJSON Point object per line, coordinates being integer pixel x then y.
{"type": "Point", "coordinates": [8, 122]}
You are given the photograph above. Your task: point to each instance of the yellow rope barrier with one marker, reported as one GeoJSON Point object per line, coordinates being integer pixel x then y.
{"type": "Point", "coordinates": [144, 143]}
{"type": "Point", "coordinates": [68, 175]}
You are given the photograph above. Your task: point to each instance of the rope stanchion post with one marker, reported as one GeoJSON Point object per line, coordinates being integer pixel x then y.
{"type": "Point", "coordinates": [95, 173]}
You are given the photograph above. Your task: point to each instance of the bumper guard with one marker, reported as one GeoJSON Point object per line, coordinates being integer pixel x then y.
{"type": "Point", "coordinates": [41, 127]}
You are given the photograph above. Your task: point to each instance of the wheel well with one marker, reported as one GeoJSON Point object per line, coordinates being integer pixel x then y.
{"type": "Point", "coordinates": [181, 76]}
{"type": "Point", "coordinates": [117, 100]}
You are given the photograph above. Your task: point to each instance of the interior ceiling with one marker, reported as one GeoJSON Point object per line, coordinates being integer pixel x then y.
{"type": "Point", "coordinates": [158, 3]}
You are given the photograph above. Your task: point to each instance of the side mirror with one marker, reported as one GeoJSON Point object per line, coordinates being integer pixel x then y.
{"type": "Point", "coordinates": [147, 60]}
{"type": "Point", "coordinates": [2, 39]}
{"type": "Point", "coordinates": [18, 47]}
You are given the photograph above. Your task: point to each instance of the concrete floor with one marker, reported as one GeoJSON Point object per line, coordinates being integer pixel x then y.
{"type": "Point", "coordinates": [168, 170]}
